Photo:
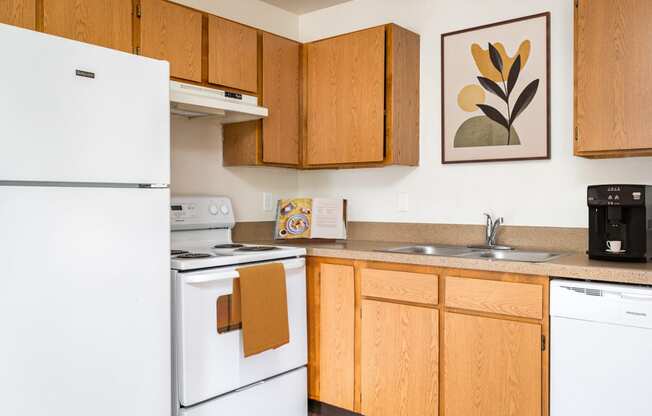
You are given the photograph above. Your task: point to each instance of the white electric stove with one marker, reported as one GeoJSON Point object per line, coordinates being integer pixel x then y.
{"type": "Point", "coordinates": [211, 375]}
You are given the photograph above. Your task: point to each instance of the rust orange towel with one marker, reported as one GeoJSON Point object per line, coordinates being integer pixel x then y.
{"type": "Point", "coordinates": [263, 308]}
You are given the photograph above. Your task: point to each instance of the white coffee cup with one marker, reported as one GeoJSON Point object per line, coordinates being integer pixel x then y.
{"type": "Point", "coordinates": [614, 245]}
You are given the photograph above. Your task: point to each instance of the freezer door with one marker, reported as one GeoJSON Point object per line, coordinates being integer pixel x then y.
{"type": "Point", "coordinates": [73, 112]}
{"type": "Point", "coordinates": [85, 302]}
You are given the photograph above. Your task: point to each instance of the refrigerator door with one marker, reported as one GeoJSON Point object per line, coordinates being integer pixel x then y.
{"type": "Point", "coordinates": [85, 302]}
{"type": "Point", "coordinates": [73, 112]}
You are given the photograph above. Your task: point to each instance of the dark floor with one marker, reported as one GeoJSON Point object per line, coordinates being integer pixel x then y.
{"type": "Point", "coordinates": [316, 408]}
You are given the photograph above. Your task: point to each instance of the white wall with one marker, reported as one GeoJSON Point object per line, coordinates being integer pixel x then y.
{"type": "Point", "coordinates": [251, 12]}
{"type": "Point", "coordinates": [197, 170]}
{"type": "Point", "coordinates": [546, 193]}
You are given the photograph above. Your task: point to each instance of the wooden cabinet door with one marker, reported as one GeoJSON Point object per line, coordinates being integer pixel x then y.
{"type": "Point", "coordinates": [613, 63]}
{"type": "Point", "coordinates": [172, 33]}
{"type": "Point", "coordinates": [399, 360]}
{"type": "Point", "coordinates": [492, 367]}
{"type": "Point", "coordinates": [106, 23]}
{"type": "Point", "coordinates": [232, 54]}
{"type": "Point", "coordinates": [346, 98]}
{"type": "Point", "coordinates": [281, 97]}
{"type": "Point", "coordinates": [335, 328]}
{"type": "Point", "coordinates": [18, 13]}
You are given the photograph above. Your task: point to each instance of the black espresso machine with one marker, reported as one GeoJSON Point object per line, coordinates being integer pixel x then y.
{"type": "Point", "coordinates": [620, 222]}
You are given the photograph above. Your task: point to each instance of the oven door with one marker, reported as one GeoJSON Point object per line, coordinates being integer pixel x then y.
{"type": "Point", "coordinates": [208, 363]}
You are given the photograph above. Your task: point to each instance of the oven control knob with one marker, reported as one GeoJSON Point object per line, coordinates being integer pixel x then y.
{"type": "Point", "coordinates": [213, 209]}
{"type": "Point", "coordinates": [224, 209]}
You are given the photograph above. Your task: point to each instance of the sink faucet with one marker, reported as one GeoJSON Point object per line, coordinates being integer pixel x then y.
{"type": "Point", "coordinates": [491, 229]}
{"type": "Point", "coordinates": [491, 233]}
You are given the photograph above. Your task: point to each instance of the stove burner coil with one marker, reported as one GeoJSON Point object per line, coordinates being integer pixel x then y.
{"type": "Point", "coordinates": [257, 248]}
{"type": "Point", "coordinates": [232, 245]}
{"type": "Point", "coordinates": [178, 252]}
{"type": "Point", "coordinates": [194, 256]}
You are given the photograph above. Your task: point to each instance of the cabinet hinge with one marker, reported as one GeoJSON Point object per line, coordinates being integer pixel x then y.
{"type": "Point", "coordinates": [543, 342]}
{"type": "Point", "coordinates": [138, 10]}
{"type": "Point", "coordinates": [137, 50]}
{"type": "Point", "coordinates": [577, 3]}
{"type": "Point", "coordinates": [577, 134]}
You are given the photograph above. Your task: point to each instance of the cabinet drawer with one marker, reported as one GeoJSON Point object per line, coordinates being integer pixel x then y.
{"type": "Point", "coordinates": [401, 286]}
{"type": "Point", "coordinates": [507, 298]}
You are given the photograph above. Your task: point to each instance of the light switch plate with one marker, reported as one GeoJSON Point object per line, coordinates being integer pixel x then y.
{"type": "Point", "coordinates": [403, 202]}
{"type": "Point", "coordinates": [267, 201]}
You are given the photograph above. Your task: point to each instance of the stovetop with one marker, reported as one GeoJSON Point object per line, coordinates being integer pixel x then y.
{"type": "Point", "coordinates": [193, 255]}
{"type": "Point", "coordinates": [201, 236]}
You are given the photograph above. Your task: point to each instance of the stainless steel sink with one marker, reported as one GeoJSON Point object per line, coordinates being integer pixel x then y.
{"type": "Point", "coordinates": [470, 253]}
{"type": "Point", "coordinates": [448, 251]}
{"type": "Point", "coordinates": [513, 255]}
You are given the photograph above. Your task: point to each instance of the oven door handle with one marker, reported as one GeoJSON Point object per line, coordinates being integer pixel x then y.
{"type": "Point", "coordinates": [290, 265]}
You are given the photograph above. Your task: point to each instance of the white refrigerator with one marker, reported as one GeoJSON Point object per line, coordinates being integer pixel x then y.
{"type": "Point", "coordinates": [84, 230]}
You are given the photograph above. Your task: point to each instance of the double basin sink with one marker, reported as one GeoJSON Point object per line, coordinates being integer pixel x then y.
{"type": "Point", "coordinates": [476, 253]}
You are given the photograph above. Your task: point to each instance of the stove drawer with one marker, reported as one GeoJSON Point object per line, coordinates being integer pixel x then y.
{"type": "Point", "coordinates": [283, 395]}
{"type": "Point", "coordinates": [208, 363]}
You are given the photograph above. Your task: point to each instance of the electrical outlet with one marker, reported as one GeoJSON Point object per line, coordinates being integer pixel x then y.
{"type": "Point", "coordinates": [403, 202]}
{"type": "Point", "coordinates": [267, 201]}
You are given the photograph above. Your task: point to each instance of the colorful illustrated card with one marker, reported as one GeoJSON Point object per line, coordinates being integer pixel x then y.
{"type": "Point", "coordinates": [311, 218]}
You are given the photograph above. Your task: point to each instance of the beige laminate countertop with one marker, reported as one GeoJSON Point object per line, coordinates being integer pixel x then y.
{"type": "Point", "coordinates": [572, 265]}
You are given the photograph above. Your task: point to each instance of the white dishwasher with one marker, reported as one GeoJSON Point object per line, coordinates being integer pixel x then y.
{"type": "Point", "coordinates": [600, 349]}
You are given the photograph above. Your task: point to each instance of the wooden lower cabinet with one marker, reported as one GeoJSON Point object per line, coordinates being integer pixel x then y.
{"type": "Point", "coordinates": [331, 334]}
{"type": "Point", "coordinates": [492, 367]}
{"type": "Point", "coordinates": [399, 359]}
{"type": "Point", "coordinates": [397, 339]}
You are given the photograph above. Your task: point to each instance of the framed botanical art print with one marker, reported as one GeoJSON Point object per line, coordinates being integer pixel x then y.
{"type": "Point", "coordinates": [495, 91]}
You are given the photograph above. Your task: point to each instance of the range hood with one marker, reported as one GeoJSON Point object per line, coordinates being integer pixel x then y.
{"type": "Point", "coordinates": [193, 101]}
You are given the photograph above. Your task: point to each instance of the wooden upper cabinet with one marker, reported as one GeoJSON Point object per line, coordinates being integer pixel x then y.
{"type": "Point", "coordinates": [613, 63]}
{"type": "Point", "coordinates": [232, 55]}
{"type": "Point", "coordinates": [402, 96]}
{"type": "Point", "coordinates": [105, 23]}
{"type": "Point", "coordinates": [399, 360]}
{"type": "Point", "coordinates": [492, 367]}
{"type": "Point", "coordinates": [18, 13]}
{"type": "Point", "coordinates": [280, 95]}
{"type": "Point", "coordinates": [275, 139]}
{"type": "Point", "coordinates": [173, 33]}
{"type": "Point", "coordinates": [346, 98]}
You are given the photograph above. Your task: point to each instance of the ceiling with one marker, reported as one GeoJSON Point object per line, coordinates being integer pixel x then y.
{"type": "Point", "coordinates": [304, 6]}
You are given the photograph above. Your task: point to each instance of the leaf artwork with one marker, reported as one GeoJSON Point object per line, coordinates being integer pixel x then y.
{"type": "Point", "coordinates": [496, 60]}
{"type": "Point", "coordinates": [514, 71]}
{"type": "Point", "coordinates": [493, 114]}
{"type": "Point", "coordinates": [524, 99]}
{"type": "Point", "coordinates": [504, 92]}
{"type": "Point", "coordinates": [491, 86]}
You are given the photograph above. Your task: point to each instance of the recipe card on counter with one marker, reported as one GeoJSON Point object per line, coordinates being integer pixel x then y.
{"type": "Point", "coordinates": [311, 218]}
